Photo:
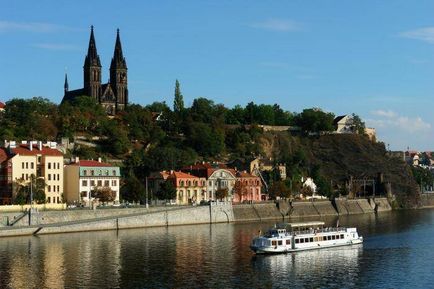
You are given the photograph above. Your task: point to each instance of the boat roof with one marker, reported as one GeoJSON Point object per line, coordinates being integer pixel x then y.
{"type": "Point", "coordinates": [302, 224]}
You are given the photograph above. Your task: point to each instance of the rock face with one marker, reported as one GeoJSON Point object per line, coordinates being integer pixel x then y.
{"type": "Point", "coordinates": [337, 157]}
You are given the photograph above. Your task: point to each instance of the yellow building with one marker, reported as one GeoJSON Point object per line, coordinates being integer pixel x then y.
{"type": "Point", "coordinates": [41, 161]}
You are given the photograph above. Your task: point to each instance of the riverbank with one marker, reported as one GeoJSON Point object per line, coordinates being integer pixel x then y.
{"type": "Point", "coordinates": [50, 222]}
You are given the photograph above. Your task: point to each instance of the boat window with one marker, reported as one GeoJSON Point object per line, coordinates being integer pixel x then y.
{"type": "Point", "coordinates": [337, 237]}
{"type": "Point", "coordinates": [306, 240]}
{"type": "Point", "coordinates": [273, 243]}
{"type": "Point", "coordinates": [311, 239]}
{"type": "Point", "coordinates": [342, 236]}
{"type": "Point", "coordinates": [279, 242]}
{"type": "Point", "coordinates": [288, 242]}
{"type": "Point", "coordinates": [333, 237]}
{"type": "Point", "coordinates": [315, 239]}
{"type": "Point", "coordinates": [297, 241]}
{"type": "Point", "coordinates": [301, 240]}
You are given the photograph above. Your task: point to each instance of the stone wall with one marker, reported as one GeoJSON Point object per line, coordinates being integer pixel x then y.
{"type": "Point", "coordinates": [427, 200]}
{"type": "Point", "coordinates": [117, 219]}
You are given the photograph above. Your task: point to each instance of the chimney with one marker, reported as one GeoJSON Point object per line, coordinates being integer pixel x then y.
{"type": "Point", "coordinates": [40, 145]}
{"type": "Point", "coordinates": [30, 145]}
{"type": "Point", "coordinates": [99, 160]}
{"type": "Point", "coordinates": [77, 160]}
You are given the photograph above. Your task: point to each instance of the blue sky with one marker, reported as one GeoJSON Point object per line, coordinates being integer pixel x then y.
{"type": "Point", "coordinates": [373, 58]}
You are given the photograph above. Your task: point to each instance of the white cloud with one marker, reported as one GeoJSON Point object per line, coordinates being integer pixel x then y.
{"type": "Point", "coordinates": [55, 46]}
{"type": "Point", "coordinates": [277, 25]}
{"type": "Point", "coordinates": [385, 113]}
{"type": "Point", "coordinates": [37, 27]}
{"type": "Point", "coordinates": [424, 34]}
{"type": "Point", "coordinates": [391, 120]}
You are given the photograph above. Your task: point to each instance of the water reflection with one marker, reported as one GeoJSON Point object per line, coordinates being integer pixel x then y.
{"type": "Point", "coordinates": [397, 251]}
{"type": "Point", "coordinates": [300, 268]}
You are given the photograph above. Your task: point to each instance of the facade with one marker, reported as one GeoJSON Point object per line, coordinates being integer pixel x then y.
{"type": "Point", "coordinates": [189, 189]}
{"type": "Point", "coordinates": [83, 176]}
{"type": "Point", "coordinates": [344, 124]}
{"type": "Point", "coordinates": [113, 96]}
{"type": "Point", "coordinates": [19, 162]}
{"type": "Point", "coordinates": [250, 186]}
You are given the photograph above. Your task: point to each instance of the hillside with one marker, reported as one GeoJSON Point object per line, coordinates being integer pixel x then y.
{"type": "Point", "coordinates": [337, 157]}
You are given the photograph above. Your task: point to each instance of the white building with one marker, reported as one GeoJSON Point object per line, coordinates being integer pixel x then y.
{"type": "Point", "coordinates": [84, 176]}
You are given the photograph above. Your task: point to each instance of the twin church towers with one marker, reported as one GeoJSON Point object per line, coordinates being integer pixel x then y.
{"type": "Point", "coordinates": [113, 96]}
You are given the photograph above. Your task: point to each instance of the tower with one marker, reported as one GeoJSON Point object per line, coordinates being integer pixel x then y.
{"type": "Point", "coordinates": [66, 86]}
{"type": "Point", "coordinates": [118, 75]}
{"type": "Point", "coordinates": [92, 70]}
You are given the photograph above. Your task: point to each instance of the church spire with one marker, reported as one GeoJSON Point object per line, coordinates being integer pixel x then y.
{"type": "Point", "coordinates": [66, 86]}
{"type": "Point", "coordinates": [118, 60]}
{"type": "Point", "coordinates": [92, 57]}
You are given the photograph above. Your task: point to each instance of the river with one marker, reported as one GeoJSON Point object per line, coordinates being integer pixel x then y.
{"type": "Point", "coordinates": [398, 252]}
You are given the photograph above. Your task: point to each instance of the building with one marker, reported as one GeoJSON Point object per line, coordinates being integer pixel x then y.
{"type": "Point", "coordinates": [250, 186]}
{"type": "Point", "coordinates": [19, 163]}
{"type": "Point", "coordinates": [84, 176]}
{"type": "Point", "coordinates": [344, 124]}
{"type": "Point", "coordinates": [189, 189]}
{"type": "Point", "coordinates": [258, 165]}
{"type": "Point", "coordinates": [218, 176]}
{"type": "Point", "coordinates": [2, 106]}
{"type": "Point", "coordinates": [113, 95]}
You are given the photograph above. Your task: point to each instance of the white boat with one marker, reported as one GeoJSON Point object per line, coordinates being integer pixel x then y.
{"type": "Point", "coordinates": [293, 237]}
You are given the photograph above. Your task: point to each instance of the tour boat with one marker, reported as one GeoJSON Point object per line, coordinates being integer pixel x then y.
{"type": "Point", "coordinates": [293, 237]}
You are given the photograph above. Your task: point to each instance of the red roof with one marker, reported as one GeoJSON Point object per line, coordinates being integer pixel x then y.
{"type": "Point", "coordinates": [179, 175]}
{"type": "Point", "coordinates": [23, 150]}
{"type": "Point", "coordinates": [2, 105]}
{"type": "Point", "coordinates": [90, 163]}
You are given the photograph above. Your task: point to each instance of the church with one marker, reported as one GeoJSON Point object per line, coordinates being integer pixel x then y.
{"type": "Point", "coordinates": [113, 96]}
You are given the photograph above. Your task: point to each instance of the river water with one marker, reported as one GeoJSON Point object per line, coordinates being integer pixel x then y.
{"type": "Point", "coordinates": [398, 252]}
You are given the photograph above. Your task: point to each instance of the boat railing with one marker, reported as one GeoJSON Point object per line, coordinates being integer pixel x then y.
{"type": "Point", "coordinates": [319, 230]}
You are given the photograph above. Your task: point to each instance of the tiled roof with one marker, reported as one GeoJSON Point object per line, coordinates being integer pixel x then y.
{"type": "Point", "coordinates": [245, 175]}
{"type": "Point", "coordinates": [90, 163]}
{"type": "Point", "coordinates": [179, 175]}
{"type": "Point", "coordinates": [2, 105]}
{"type": "Point", "coordinates": [23, 150]}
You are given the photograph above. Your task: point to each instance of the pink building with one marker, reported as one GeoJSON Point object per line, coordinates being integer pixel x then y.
{"type": "Point", "coordinates": [247, 188]}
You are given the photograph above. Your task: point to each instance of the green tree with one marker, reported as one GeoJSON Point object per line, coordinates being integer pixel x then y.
{"type": "Point", "coordinates": [167, 191]}
{"type": "Point", "coordinates": [279, 189]}
{"type": "Point", "coordinates": [133, 190]}
{"type": "Point", "coordinates": [315, 120]}
{"type": "Point", "coordinates": [359, 125]}
{"type": "Point", "coordinates": [178, 103]}
{"type": "Point", "coordinates": [221, 193]}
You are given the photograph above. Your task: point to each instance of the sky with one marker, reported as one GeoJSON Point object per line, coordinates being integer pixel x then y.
{"type": "Point", "coordinates": [373, 58]}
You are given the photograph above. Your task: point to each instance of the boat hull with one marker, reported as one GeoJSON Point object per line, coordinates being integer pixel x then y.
{"type": "Point", "coordinates": [283, 250]}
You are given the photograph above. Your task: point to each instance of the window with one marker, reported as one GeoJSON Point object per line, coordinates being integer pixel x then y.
{"type": "Point", "coordinates": [306, 240]}
{"type": "Point", "coordinates": [58, 188]}
{"type": "Point", "coordinates": [333, 237]}
{"type": "Point", "coordinates": [84, 172]}
{"type": "Point", "coordinates": [99, 183]}
{"type": "Point", "coordinates": [58, 177]}
{"type": "Point", "coordinates": [49, 177]}
{"type": "Point", "coordinates": [342, 236]}
{"type": "Point", "coordinates": [22, 165]}
{"type": "Point", "coordinates": [58, 200]}
{"type": "Point", "coordinates": [114, 172]}
{"type": "Point", "coordinates": [114, 183]}
{"type": "Point", "coordinates": [27, 165]}
{"type": "Point", "coordinates": [58, 166]}
{"type": "Point", "coordinates": [27, 177]}
{"type": "Point", "coordinates": [32, 165]}
{"type": "Point", "coordinates": [92, 172]}
{"type": "Point", "coordinates": [48, 200]}
{"type": "Point", "coordinates": [302, 240]}
{"type": "Point", "coordinates": [106, 183]}
{"type": "Point", "coordinates": [49, 166]}
{"type": "Point", "coordinates": [22, 176]}
{"type": "Point", "coordinates": [279, 243]}
{"type": "Point", "coordinates": [288, 242]}
{"type": "Point", "coordinates": [106, 172]}
{"type": "Point", "coordinates": [274, 242]}
{"type": "Point", "coordinates": [84, 183]}
{"type": "Point", "coordinates": [92, 183]}
{"type": "Point", "coordinates": [49, 190]}
{"type": "Point", "coordinates": [311, 239]}
{"type": "Point", "coordinates": [297, 241]}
